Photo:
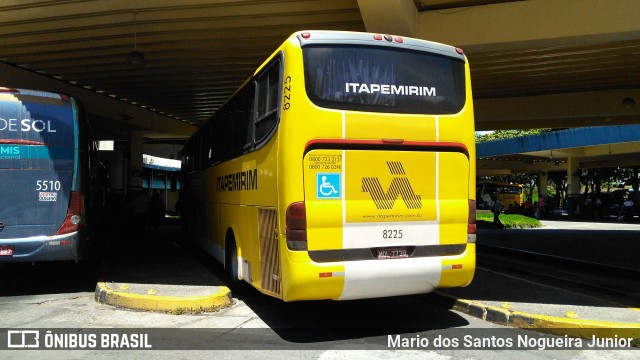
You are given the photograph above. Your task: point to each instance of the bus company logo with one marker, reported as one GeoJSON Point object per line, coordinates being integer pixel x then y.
{"type": "Point", "coordinates": [26, 125]}
{"type": "Point", "coordinates": [385, 89]}
{"type": "Point", "coordinates": [10, 152]}
{"type": "Point", "coordinates": [400, 186]}
{"type": "Point", "coordinates": [242, 180]}
{"type": "Point", "coordinates": [20, 339]}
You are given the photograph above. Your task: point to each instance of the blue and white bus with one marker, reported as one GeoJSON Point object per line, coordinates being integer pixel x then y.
{"type": "Point", "coordinates": [44, 177]}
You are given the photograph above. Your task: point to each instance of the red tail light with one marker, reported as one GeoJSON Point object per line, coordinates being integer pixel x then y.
{"type": "Point", "coordinates": [297, 226]}
{"type": "Point", "coordinates": [389, 38]}
{"type": "Point", "coordinates": [73, 219]}
{"type": "Point", "coordinates": [471, 232]}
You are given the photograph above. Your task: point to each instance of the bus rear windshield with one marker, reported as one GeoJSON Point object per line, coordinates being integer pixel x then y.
{"type": "Point", "coordinates": [383, 79]}
{"type": "Point", "coordinates": [36, 131]}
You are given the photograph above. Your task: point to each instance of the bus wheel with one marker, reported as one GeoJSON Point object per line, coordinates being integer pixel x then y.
{"type": "Point", "coordinates": [231, 266]}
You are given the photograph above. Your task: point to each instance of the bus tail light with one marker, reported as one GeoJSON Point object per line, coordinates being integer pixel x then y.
{"type": "Point", "coordinates": [74, 214]}
{"type": "Point", "coordinates": [471, 232]}
{"type": "Point", "coordinates": [297, 226]}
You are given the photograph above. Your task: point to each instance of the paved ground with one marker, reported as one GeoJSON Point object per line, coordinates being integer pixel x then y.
{"type": "Point", "coordinates": [167, 274]}
{"type": "Point", "coordinates": [589, 225]}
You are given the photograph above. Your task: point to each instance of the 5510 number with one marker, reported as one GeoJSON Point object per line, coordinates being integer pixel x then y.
{"type": "Point", "coordinates": [47, 185]}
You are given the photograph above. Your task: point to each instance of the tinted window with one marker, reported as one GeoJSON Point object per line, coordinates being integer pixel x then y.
{"type": "Point", "coordinates": [241, 114]}
{"type": "Point", "coordinates": [243, 124]}
{"type": "Point", "coordinates": [383, 79]}
{"type": "Point", "coordinates": [268, 100]}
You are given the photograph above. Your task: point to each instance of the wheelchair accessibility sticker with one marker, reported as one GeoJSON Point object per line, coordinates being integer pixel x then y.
{"type": "Point", "coordinates": [328, 186]}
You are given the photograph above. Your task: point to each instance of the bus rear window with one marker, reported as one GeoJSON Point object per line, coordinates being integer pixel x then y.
{"type": "Point", "coordinates": [36, 131]}
{"type": "Point", "coordinates": [383, 79]}
{"type": "Point", "coordinates": [27, 118]}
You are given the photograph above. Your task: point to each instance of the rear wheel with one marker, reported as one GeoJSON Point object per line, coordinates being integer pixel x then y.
{"type": "Point", "coordinates": [232, 266]}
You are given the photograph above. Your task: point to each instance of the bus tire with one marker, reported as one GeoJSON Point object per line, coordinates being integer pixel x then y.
{"type": "Point", "coordinates": [232, 266]}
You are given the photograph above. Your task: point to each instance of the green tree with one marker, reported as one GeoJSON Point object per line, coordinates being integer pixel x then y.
{"type": "Point", "coordinates": [509, 134]}
{"type": "Point", "coordinates": [559, 181]}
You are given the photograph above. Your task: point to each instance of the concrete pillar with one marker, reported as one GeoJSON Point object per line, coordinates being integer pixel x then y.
{"type": "Point", "coordinates": [136, 141]}
{"type": "Point", "coordinates": [542, 184]}
{"type": "Point", "coordinates": [573, 185]}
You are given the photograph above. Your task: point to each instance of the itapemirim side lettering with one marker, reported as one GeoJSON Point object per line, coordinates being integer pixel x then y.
{"type": "Point", "coordinates": [240, 181]}
{"type": "Point", "coordinates": [400, 186]}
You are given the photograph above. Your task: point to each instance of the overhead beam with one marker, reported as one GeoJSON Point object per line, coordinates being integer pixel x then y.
{"type": "Point", "coordinates": [396, 17]}
{"type": "Point", "coordinates": [593, 108]}
{"type": "Point", "coordinates": [532, 24]}
{"type": "Point", "coordinates": [152, 124]}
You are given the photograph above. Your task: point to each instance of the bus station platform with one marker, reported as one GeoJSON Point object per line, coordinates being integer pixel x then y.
{"type": "Point", "coordinates": [162, 275]}
{"type": "Point", "coordinates": [157, 273]}
{"type": "Point", "coordinates": [514, 302]}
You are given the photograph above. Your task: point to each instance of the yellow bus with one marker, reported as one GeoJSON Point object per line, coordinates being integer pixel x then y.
{"type": "Point", "coordinates": [344, 168]}
{"type": "Point", "coordinates": [507, 193]}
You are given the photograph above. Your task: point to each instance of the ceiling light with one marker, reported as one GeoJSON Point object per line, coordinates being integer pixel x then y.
{"type": "Point", "coordinates": [135, 57]}
{"type": "Point", "coordinates": [628, 103]}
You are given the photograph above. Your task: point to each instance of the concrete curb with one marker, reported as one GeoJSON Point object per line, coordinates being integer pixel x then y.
{"type": "Point", "coordinates": [542, 323]}
{"type": "Point", "coordinates": [170, 304]}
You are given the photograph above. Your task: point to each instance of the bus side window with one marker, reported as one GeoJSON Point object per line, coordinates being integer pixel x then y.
{"type": "Point", "coordinates": [268, 100]}
{"type": "Point", "coordinates": [211, 143]}
{"type": "Point", "coordinates": [199, 160]}
{"type": "Point", "coordinates": [242, 115]}
{"type": "Point", "coordinates": [224, 134]}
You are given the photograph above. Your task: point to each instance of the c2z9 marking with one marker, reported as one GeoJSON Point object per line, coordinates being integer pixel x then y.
{"type": "Point", "coordinates": [287, 93]}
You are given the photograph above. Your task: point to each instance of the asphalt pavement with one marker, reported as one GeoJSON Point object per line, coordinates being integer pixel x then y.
{"type": "Point", "coordinates": [158, 273]}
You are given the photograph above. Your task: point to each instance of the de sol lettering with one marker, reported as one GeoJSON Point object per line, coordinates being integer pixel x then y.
{"type": "Point", "coordinates": [26, 125]}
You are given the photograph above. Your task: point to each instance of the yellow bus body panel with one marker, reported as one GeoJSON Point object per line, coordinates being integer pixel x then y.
{"type": "Point", "coordinates": [423, 193]}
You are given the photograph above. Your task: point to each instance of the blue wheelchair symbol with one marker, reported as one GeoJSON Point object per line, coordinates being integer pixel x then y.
{"type": "Point", "coordinates": [328, 185]}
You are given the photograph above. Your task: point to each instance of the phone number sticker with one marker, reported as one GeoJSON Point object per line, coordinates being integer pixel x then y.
{"type": "Point", "coordinates": [325, 162]}
{"type": "Point", "coordinates": [47, 196]}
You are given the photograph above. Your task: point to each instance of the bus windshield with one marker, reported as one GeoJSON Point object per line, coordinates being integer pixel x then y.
{"type": "Point", "coordinates": [383, 79]}
{"type": "Point", "coordinates": [510, 189]}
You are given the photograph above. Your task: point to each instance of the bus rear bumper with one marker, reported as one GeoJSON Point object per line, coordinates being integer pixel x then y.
{"type": "Point", "coordinates": [349, 280]}
{"type": "Point", "coordinates": [42, 248]}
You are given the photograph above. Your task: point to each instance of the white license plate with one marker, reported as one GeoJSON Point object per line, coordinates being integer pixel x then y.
{"type": "Point", "coordinates": [392, 253]}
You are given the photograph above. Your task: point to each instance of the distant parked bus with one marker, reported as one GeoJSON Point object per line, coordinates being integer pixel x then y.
{"type": "Point", "coordinates": [44, 171]}
{"type": "Point", "coordinates": [507, 193]}
{"type": "Point", "coordinates": [344, 168]}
